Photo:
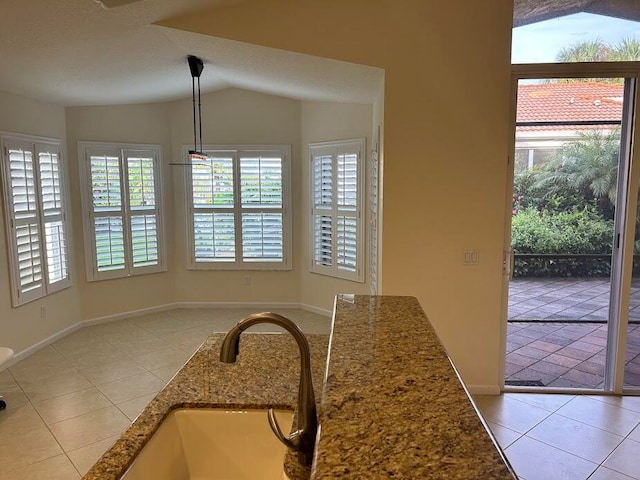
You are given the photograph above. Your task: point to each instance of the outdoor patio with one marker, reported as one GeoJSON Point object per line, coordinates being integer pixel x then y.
{"type": "Point", "coordinates": [556, 334]}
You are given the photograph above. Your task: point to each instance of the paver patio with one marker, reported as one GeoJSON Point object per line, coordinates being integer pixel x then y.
{"type": "Point", "coordinates": [556, 334]}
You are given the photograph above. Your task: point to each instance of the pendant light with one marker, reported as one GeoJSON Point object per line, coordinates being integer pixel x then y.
{"type": "Point", "coordinates": [196, 66]}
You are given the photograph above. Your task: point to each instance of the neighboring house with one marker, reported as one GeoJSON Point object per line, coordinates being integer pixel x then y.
{"type": "Point", "coordinates": [551, 114]}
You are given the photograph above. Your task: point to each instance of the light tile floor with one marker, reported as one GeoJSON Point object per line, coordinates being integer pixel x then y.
{"type": "Point", "coordinates": [566, 437]}
{"type": "Point", "coordinates": [68, 402]}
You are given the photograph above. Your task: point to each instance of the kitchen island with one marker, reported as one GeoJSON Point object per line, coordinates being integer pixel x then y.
{"type": "Point", "coordinates": [390, 403]}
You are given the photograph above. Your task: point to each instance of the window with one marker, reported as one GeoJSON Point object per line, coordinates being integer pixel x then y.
{"type": "Point", "coordinates": [35, 217]}
{"type": "Point", "coordinates": [122, 213]}
{"type": "Point", "coordinates": [238, 208]}
{"type": "Point", "coordinates": [559, 32]}
{"type": "Point", "coordinates": [336, 219]}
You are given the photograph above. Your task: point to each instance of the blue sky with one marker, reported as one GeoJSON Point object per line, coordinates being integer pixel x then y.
{"type": "Point", "coordinates": [540, 42]}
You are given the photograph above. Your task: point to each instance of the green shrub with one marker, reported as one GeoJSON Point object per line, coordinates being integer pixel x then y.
{"type": "Point", "coordinates": [581, 232]}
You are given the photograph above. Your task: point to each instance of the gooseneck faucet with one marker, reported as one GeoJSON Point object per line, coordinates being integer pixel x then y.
{"type": "Point", "coordinates": [303, 439]}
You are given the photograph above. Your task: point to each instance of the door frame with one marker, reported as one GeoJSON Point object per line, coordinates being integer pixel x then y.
{"type": "Point", "coordinates": [619, 310]}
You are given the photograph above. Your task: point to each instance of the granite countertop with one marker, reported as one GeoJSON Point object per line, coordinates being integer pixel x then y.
{"type": "Point", "coordinates": [390, 403]}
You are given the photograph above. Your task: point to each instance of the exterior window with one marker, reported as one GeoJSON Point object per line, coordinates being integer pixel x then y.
{"type": "Point", "coordinates": [238, 208]}
{"type": "Point", "coordinates": [336, 218]}
{"type": "Point", "coordinates": [121, 209]}
{"type": "Point", "coordinates": [35, 216]}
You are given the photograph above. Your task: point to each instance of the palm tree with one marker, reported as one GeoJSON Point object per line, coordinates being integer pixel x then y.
{"type": "Point", "coordinates": [588, 165]}
{"type": "Point", "coordinates": [626, 50]}
{"type": "Point", "coordinates": [588, 51]}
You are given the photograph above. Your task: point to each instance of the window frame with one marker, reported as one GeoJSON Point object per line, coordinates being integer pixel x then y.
{"type": "Point", "coordinates": [35, 145]}
{"type": "Point", "coordinates": [236, 150]}
{"type": "Point", "coordinates": [121, 151]}
{"type": "Point", "coordinates": [334, 148]}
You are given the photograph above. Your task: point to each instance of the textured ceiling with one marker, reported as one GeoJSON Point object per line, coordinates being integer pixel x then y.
{"type": "Point", "coordinates": [80, 52]}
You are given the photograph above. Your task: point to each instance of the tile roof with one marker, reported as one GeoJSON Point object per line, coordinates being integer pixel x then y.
{"type": "Point", "coordinates": [569, 102]}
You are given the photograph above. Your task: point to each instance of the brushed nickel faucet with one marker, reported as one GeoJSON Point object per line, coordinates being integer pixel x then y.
{"type": "Point", "coordinates": [303, 439]}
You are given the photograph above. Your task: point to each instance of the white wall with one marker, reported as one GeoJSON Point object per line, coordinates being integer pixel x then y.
{"type": "Point", "coordinates": [145, 123]}
{"type": "Point", "coordinates": [234, 116]}
{"type": "Point", "coordinates": [23, 327]}
{"type": "Point", "coordinates": [321, 122]}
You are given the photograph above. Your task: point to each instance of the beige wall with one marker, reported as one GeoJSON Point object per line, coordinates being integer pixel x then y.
{"type": "Point", "coordinates": [145, 123]}
{"type": "Point", "coordinates": [446, 123]}
{"type": "Point", "coordinates": [234, 116]}
{"type": "Point", "coordinates": [446, 127]}
{"type": "Point", "coordinates": [323, 122]}
{"type": "Point", "coordinates": [23, 327]}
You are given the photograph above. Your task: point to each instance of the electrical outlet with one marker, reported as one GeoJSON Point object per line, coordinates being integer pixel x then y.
{"type": "Point", "coordinates": [43, 312]}
{"type": "Point", "coordinates": [247, 281]}
{"type": "Point", "coordinates": [471, 258]}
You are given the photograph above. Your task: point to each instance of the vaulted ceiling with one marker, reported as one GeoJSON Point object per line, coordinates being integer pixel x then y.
{"type": "Point", "coordinates": [88, 52]}
{"type": "Point", "coordinates": [531, 11]}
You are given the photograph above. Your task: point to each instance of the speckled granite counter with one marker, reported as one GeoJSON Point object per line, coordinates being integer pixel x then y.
{"type": "Point", "coordinates": [391, 405]}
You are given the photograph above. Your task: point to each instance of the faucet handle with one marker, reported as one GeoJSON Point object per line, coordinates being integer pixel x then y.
{"type": "Point", "coordinates": [292, 441]}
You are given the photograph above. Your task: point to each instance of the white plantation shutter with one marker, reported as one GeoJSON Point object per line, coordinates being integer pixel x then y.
{"type": "Point", "coordinates": [214, 236]}
{"type": "Point", "coordinates": [144, 240]}
{"type": "Point", "coordinates": [322, 241]}
{"type": "Point", "coordinates": [56, 249]}
{"type": "Point", "coordinates": [322, 169]}
{"type": "Point", "coordinates": [121, 204]}
{"type": "Point", "coordinates": [337, 192]}
{"type": "Point", "coordinates": [107, 210]}
{"type": "Point", "coordinates": [141, 185]}
{"type": "Point", "coordinates": [347, 211]}
{"type": "Point", "coordinates": [237, 208]}
{"type": "Point", "coordinates": [213, 202]}
{"type": "Point", "coordinates": [109, 243]}
{"type": "Point", "coordinates": [262, 208]}
{"type": "Point", "coordinates": [35, 218]}
{"type": "Point", "coordinates": [25, 219]}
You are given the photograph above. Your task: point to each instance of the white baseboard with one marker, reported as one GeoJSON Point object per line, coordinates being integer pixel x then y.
{"type": "Point", "coordinates": [319, 311]}
{"type": "Point", "coordinates": [484, 389]}
{"type": "Point", "coordinates": [43, 343]}
{"type": "Point", "coordinates": [129, 314]}
{"type": "Point", "coordinates": [262, 306]}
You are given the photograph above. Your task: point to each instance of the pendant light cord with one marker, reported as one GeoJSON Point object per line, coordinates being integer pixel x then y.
{"type": "Point", "coordinates": [199, 115]}
{"type": "Point", "coordinates": [193, 97]}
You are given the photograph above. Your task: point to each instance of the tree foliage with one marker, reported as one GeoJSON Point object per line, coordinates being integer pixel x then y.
{"type": "Point", "coordinates": [578, 232]}
{"type": "Point", "coordinates": [587, 51]}
{"type": "Point", "coordinates": [626, 50]}
{"type": "Point", "coordinates": [582, 174]}
{"type": "Point", "coordinates": [566, 206]}
{"type": "Point", "coordinates": [587, 168]}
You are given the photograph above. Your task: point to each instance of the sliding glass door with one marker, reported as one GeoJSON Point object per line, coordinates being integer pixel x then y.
{"type": "Point", "coordinates": [572, 299]}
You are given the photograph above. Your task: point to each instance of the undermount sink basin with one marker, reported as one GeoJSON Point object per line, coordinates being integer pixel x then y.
{"type": "Point", "coordinates": [198, 444]}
